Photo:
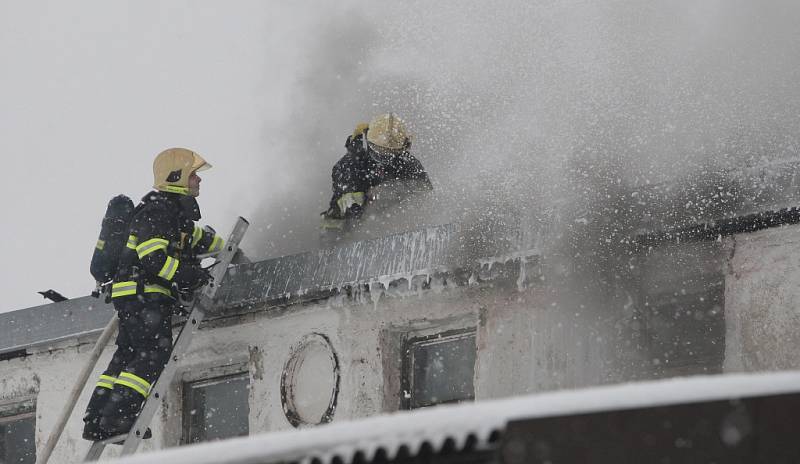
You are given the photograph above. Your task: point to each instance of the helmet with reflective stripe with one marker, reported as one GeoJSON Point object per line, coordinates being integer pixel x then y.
{"type": "Point", "coordinates": [173, 167]}
{"type": "Point", "coordinates": [387, 131]}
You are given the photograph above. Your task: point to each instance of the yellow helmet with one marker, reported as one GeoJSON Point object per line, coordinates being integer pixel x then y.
{"type": "Point", "coordinates": [360, 129]}
{"type": "Point", "coordinates": [389, 132]}
{"type": "Point", "coordinates": [172, 168]}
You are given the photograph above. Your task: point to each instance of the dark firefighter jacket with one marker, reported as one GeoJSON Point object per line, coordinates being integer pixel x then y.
{"type": "Point", "coordinates": [161, 253]}
{"type": "Point", "coordinates": [356, 172]}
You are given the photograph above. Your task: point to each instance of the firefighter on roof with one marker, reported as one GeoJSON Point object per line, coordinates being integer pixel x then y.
{"type": "Point", "coordinates": [158, 266]}
{"type": "Point", "coordinates": [377, 153]}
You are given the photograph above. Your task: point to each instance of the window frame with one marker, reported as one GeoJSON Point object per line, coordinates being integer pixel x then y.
{"type": "Point", "coordinates": [187, 387]}
{"type": "Point", "coordinates": [4, 419]}
{"type": "Point", "coordinates": [20, 409]}
{"type": "Point", "coordinates": [287, 385]}
{"type": "Point", "coordinates": [407, 365]}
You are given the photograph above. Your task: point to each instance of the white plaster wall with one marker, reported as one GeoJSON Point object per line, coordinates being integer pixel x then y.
{"type": "Point", "coordinates": [530, 343]}
{"type": "Point", "coordinates": [762, 300]}
{"type": "Point", "coordinates": [528, 339]}
{"type": "Point", "coordinates": [525, 343]}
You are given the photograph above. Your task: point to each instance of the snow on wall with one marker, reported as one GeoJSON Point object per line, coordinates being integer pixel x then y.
{"type": "Point", "coordinates": [763, 300]}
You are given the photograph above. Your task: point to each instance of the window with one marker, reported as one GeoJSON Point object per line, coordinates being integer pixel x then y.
{"type": "Point", "coordinates": [686, 332]}
{"type": "Point", "coordinates": [310, 382]}
{"type": "Point", "coordinates": [439, 369]}
{"type": "Point", "coordinates": [18, 433]}
{"type": "Point", "coordinates": [216, 408]}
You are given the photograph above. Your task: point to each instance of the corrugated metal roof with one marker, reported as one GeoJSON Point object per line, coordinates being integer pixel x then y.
{"type": "Point", "coordinates": [455, 426]}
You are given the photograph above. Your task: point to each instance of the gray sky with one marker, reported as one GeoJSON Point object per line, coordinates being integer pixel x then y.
{"type": "Point", "coordinates": [91, 91]}
{"type": "Point", "coordinates": [506, 105]}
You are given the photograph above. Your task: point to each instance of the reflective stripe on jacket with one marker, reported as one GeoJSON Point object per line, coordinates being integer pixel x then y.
{"type": "Point", "coordinates": [162, 248]}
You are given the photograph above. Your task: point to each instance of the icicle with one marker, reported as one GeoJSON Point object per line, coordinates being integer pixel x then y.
{"type": "Point", "coordinates": [522, 274]}
{"type": "Point", "coordinates": [375, 293]}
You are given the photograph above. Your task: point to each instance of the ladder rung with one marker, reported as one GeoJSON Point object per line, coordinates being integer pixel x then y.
{"type": "Point", "coordinates": [114, 440]}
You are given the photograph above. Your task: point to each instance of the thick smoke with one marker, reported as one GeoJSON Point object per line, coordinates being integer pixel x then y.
{"type": "Point", "coordinates": [535, 110]}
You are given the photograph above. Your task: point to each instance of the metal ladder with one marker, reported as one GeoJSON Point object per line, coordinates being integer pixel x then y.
{"type": "Point", "coordinates": [201, 305]}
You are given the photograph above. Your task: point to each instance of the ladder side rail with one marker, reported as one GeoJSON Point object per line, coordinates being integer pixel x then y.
{"type": "Point", "coordinates": [163, 383]}
{"type": "Point", "coordinates": [201, 305]}
{"type": "Point", "coordinates": [77, 389]}
{"type": "Point", "coordinates": [97, 449]}
{"type": "Point", "coordinates": [133, 438]}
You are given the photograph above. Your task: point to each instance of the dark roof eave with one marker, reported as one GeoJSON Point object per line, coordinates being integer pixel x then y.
{"type": "Point", "coordinates": [715, 230]}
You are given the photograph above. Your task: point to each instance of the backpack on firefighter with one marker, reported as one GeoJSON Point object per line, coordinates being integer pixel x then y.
{"type": "Point", "coordinates": [113, 237]}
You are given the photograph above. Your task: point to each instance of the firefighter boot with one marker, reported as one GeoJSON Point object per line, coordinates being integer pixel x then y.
{"type": "Point", "coordinates": [91, 419]}
{"type": "Point", "coordinates": [120, 411]}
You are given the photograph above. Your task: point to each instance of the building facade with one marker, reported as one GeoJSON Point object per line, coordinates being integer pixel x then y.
{"type": "Point", "coordinates": [418, 319]}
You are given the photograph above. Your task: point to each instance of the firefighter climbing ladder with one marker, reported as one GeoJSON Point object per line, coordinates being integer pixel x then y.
{"type": "Point", "coordinates": [201, 305]}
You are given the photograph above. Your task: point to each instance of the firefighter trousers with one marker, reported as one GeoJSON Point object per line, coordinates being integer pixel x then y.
{"type": "Point", "coordinates": [144, 344]}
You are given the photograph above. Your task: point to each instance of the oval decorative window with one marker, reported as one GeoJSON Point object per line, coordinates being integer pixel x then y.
{"type": "Point", "coordinates": [310, 382]}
